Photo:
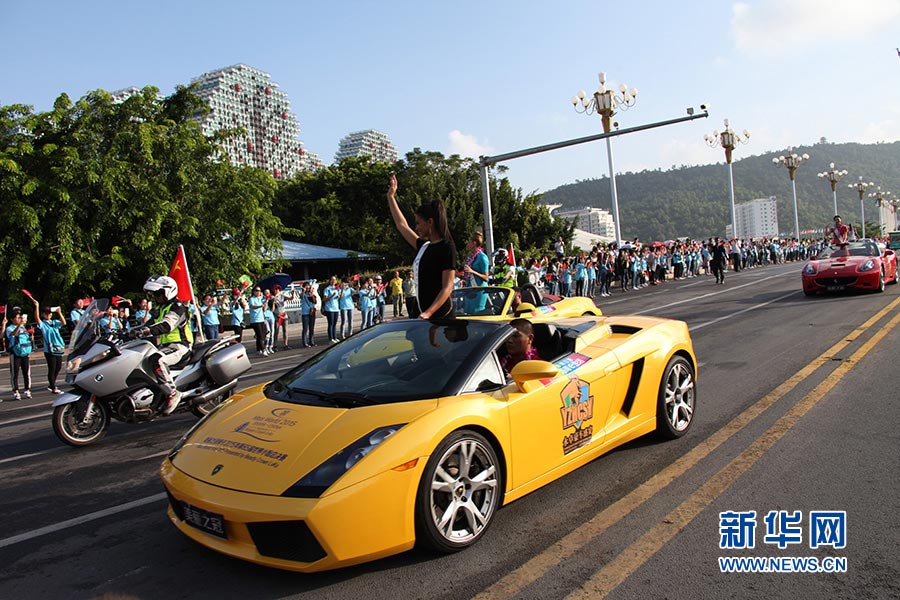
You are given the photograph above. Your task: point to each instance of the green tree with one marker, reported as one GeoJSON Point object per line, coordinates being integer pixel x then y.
{"type": "Point", "coordinates": [345, 204]}
{"type": "Point", "coordinates": [101, 193]}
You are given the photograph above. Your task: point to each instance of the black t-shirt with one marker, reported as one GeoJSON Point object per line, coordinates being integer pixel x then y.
{"type": "Point", "coordinates": [437, 258]}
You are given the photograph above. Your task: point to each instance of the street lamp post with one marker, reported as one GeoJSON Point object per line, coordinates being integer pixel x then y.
{"type": "Point", "coordinates": [791, 162]}
{"type": "Point", "coordinates": [604, 103]}
{"type": "Point", "coordinates": [861, 187]}
{"type": "Point", "coordinates": [727, 140]}
{"type": "Point", "coordinates": [880, 197]}
{"type": "Point", "coordinates": [833, 176]}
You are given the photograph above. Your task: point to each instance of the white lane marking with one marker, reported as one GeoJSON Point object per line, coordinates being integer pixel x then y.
{"type": "Point", "coordinates": [740, 312]}
{"type": "Point", "coordinates": [30, 535]}
{"type": "Point", "coordinates": [24, 456]}
{"type": "Point", "coordinates": [157, 455]}
{"type": "Point", "coordinates": [52, 450]}
{"type": "Point", "coordinates": [709, 295]}
{"type": "Point", "coordinates": [650, 294]}
{"type": "Point", "coordinates": [23, 419]}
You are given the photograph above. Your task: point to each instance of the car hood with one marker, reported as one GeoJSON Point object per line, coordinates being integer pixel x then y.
{"type": "Point", "coordinates": [265, 446]}
{"type": "Point", "coordinates": [842, 263]}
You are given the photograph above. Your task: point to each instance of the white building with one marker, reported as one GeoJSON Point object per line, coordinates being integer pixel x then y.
{"type": "Point", "coordinates": [757, 218]}
{"type": "Point", "coordinates": [240, 96]}
{"type": "Point", "coordinates": [367, 143]}
{"type": "Point", "coordinates": [595, 221]}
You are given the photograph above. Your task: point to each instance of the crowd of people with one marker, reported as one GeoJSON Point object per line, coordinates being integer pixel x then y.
{"type": "Point", "coordinates": [634, 265]}
{"type": "Point", "coordinates": [423, 291]}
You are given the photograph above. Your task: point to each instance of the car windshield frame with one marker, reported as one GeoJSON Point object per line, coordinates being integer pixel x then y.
{"type": "Point", "coordinates": [397, 361]}
{"type": "Point", "coordinates": [861, 248]}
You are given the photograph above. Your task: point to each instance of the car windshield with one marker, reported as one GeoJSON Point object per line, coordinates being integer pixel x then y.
{"type": "Point", "coordinates": [858, 248]}
{"type": "Point", "coordinates": [410, 359]}
{"type": "Point", "coordinates": [480, 301]}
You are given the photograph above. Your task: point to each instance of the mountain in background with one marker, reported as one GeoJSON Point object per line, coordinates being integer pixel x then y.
{"type": "Point", "coordinates": [694, 201]}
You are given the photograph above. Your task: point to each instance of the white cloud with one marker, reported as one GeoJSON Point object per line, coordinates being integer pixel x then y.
{"type": "Point", "coordinates": [467, 145]}
{"type": "Point", "coordinates": [884, 131]}
{"type": "Point", "coordinates": [689, 151]}
{"type": "Point", "coordinates": [774, 26]}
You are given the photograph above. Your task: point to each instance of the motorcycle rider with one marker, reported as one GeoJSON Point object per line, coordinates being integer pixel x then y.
{"type": "Point", "coordinates": [168, 320]}
{"type": "Point", "coordinates": [502, 274]}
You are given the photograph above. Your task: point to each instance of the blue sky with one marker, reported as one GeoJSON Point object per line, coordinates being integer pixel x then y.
{"type": "Point", "coordinates": [485, 77]}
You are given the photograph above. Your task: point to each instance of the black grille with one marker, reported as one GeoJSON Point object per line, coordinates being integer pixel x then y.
{"type": "Point", "coordinates": [826, 281]}
{"type": "Point", "coordinates": [176, 506]}
{"type": "Point", "coordinates": [290, 540]}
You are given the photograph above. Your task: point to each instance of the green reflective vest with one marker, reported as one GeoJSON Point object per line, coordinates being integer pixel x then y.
{"type": "Point", "coordinates": [179, 334]}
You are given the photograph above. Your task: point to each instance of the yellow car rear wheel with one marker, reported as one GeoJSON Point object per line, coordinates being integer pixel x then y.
{"type": "Point", "coordinates": [459, 492]}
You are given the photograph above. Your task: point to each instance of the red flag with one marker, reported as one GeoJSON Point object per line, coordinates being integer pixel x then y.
{"type": "Point", "coordinates": [116, 299]}
{"type": "Point", "coordinates": [511, 259]}
{"type": "Point", "coordinates": [27, 293]}
{"type": "Point", "coordinates": [179, 272]}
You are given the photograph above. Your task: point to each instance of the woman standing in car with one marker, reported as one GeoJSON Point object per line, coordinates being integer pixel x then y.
{"type": "Point", "coordinates": [434, 267]}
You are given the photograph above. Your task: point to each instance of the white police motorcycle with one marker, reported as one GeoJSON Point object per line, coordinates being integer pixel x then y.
{"type": "Point", "coordinates": [114, 378]}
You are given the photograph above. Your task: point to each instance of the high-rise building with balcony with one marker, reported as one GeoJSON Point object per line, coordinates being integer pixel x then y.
{"type": "Point", "coordinates": [243, 97]}
{"type": "Point", "coordinates": [757, 218]}
{"type": "Point", "coordinates": [595, 221]}
{"type": "Point", "coordinates": [367, 143]}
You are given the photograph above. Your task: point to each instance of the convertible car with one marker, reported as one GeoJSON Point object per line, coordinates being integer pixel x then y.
{"type": "Point", "coordinates": [527, 301]}
{"type": "Point", "coordinates": [859, 265]}
{"type": "Point", "coordinates": [411, 432]}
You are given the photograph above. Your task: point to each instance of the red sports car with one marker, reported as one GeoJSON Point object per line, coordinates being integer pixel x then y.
{"type": "Point", "coordinates": [859, 265]}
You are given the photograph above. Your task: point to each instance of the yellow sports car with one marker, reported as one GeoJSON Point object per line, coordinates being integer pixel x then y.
{"type": "Point", "coordinates": [412, 432]}
{"type": "Point", "coordinates": [489, 302]}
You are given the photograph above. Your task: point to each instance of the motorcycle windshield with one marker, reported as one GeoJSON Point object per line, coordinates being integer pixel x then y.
{"type": "Point", "coordinates": [89, 324]}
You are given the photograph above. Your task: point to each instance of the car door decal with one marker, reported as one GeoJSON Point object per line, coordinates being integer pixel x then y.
{"type": "Point", "coordinates": [576, 411]}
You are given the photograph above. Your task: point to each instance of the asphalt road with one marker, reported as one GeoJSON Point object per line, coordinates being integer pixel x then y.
{"type": "Point", "coordinates": [796, 412]}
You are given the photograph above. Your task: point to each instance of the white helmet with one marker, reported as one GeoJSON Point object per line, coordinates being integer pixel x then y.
{"type": "Point", "coordinates": [162, 283]}
{"type": "Point", "coordinates": [500, 256]}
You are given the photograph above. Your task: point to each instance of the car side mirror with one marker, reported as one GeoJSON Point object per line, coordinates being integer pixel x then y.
{"type": "Point", "coordinates": [524, 308]}
{"type": "Point", "coordinates": [530, 375]}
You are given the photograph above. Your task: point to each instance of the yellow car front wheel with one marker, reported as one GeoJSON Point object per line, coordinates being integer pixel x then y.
{"type": "Point", "coordinates": [459, 492]}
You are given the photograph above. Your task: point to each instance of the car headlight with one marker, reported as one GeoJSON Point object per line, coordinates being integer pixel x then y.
{"type": "Point", "coordinates": [320, 479]}
{"type": "Point", "coordinates": [809, 269]}
{"type": "Point", "coordinates": [867, 266]}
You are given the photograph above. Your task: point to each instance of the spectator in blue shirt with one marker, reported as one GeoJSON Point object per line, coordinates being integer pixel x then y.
{"type": "Point", "coordinates": [257, 305]}
{"type": "Point", "coordinates": [345, 305]}
{"type": "Point", "coordinates": [77, 312]}
{"type": "Point", "coordinates": [308, 308]}
{"type": "Point", "coordinates": [20, 341]}
{"type": "Point", "coordinates": [209, 314]}
{"type": "Point", "coordinates": [110, 322]}
{"type": "Point", "coordinates": [54, 346]}
{"type": "Point", "coordinates": [367, 303]}
{"type": "Point", "coordinates": [238, 307]}
{"type": "Point", "coordinates": [331, 308]}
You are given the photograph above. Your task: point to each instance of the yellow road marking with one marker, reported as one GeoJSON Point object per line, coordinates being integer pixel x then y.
{"type": "Point", "coordinates": [538, 566]}
{"type": "Point", "coordinates": [632, 558]}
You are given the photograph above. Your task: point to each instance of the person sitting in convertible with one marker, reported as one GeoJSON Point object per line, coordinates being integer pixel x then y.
{"type": "Point", "coordinates": [519, 345]}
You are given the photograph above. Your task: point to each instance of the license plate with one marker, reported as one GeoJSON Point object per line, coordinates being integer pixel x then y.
{"type": "Point", "coordinates": [835, 288]}
{"type": "Point", "coordinates": [210, 522]}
